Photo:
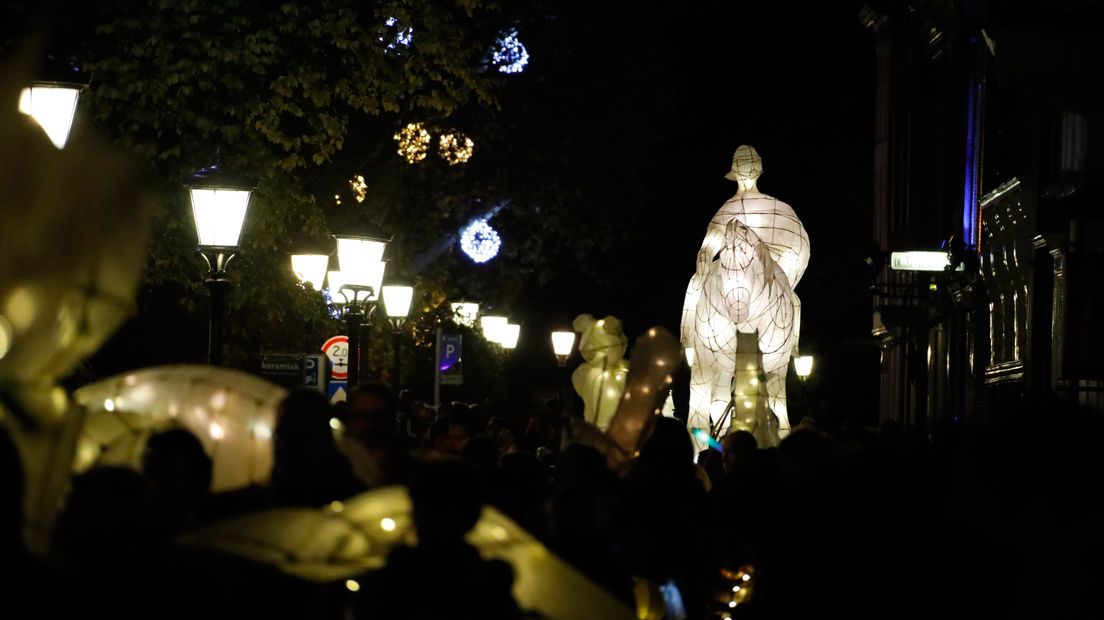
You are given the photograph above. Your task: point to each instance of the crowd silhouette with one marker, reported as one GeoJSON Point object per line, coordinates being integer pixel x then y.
{"type": "Point", "coordinates": [1001, 521]}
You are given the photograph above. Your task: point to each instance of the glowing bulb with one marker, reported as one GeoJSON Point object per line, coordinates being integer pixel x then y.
{"type": "Point", "coordinates": [352, 585]}
{"type": "Point", "coordinates": [109, 405]}
{"type": "Point", "coordinates": [217, 432]}
{"type": "Point", "coordinates": [337, 506]}
{"type": "Point", "coordinates": [335, 424]}
{"type": "Point", "coordinates": [732, 603]}
{"type": "Point", "coordinates": [753, 381]}
{"type": "Point", "coordinates": [735, 588]}
{"type": "Point", "coordinates": [387, 524]}
{"type": "Point", "coordinates": [746, 577]}
{"type": "Point", "coordinates": [747, 404]}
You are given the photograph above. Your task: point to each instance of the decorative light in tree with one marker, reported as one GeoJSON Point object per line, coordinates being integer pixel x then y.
{"type": "Point", "coordinates": [510, 55]}
{"type": "Point", "coordinates": [479, 241]}
{"type": "Point", "coordinates": [413, 142]}
{"type": "Point", "coordinates": [455, 148]}
{"type": "Point", "coordinates": [360, 188]}
{"type": "Point", "coordinates": [396, 36]}
{"type": "Point", "coordinates": [465, 312]}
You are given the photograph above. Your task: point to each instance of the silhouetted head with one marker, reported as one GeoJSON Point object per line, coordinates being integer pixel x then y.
{"type": "Point", "coordinates": [669, 444]}
{"type": "Point", "coordinates": [371, 414]}
{"type": "Point", "coordinates": [740, 452]}
{"type": "Point", "coordinates": [447, 500]}
{"type": "Point", "coordinates": [177, 468]}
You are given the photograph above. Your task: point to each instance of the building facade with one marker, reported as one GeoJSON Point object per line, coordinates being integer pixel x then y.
{"type": "Point", "coordinates": [986, 147]}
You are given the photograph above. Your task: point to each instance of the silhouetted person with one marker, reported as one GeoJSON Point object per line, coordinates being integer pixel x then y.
{"type": "Point", "coordinates": [307, 468]}
{"type": "Point", "coordinates": [179, 474]}
{"type": "Point", "coordinates": [103, 540]}
{"type": "Point", "coordinates": [443, 576]}
{"type": "Point", "coordinates": [667, 533]}
{"type": "Point", "coordinates": [381, 455]}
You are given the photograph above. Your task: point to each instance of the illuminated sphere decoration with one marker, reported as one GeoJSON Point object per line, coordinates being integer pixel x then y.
{"type": "Point", "coordinates": [395, 36]}
{"type": "Point", "coordinates": [480, 242]}
{"type": "Point", "coordinates": [413, 142]}
{"type": "Point", "coordinates": [510, 55]}
{"type": "Point", "coordinates": [455, 148]}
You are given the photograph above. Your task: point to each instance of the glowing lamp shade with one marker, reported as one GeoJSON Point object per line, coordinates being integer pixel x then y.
{"type": "Point", "coordinates": [803, 365]}
{"type": "Point", "coordinates": [335, 281]}
{"type": "Point", "coordinates": [562, 343]}
{"type": "Point", "coordinates": [465, 312]}
{"type": "Point", "coordinates": [493, 327]}
{"type": "Point", "coordinates": [219, 203]}
{"type": "Point", "coordinates": [53, 107]}
{"type": "Point", "coordinates": [310, 268]}
{"type": "Point", "coordinates": [396, 300]}
{"type": "Point", "coordinates": [509, 334]}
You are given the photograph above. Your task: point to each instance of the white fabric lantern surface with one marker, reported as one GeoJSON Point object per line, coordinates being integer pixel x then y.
{"type": "Point", "coordinates": [231, 412]}
{"type": "Point", "coordinates": [761, 251]}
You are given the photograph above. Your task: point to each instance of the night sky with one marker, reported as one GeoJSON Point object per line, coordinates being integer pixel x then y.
{"type": "Point", "coordinates": [664, 95]}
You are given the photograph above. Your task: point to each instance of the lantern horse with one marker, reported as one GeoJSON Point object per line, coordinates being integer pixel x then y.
{"type": "Point", "coordinates": [743, 290]}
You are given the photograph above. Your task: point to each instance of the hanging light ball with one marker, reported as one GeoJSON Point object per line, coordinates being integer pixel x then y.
{"type": "Point", "coordinates": [455, 148]}
{"type": "Point", "coordinates": [480, 242]}
{"type": "Point", "coordinates": [510, 55]}
{"type": "Point", "coordinates": [413, 141]}
{"type": "Point", "coordinates": [396, 35]}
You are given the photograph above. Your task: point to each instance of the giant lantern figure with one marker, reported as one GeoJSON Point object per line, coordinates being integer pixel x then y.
{"type": "Point", "coordinates": [754, 253]}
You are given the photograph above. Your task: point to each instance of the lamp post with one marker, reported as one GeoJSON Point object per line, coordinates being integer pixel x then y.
{"type": "Point", "coordinates": [508, 336]}
{"type": "Point", "coordinates": [562, 342]}
{"type": "Point", "coordinates": [360, 255]}
{"type": "Point", "coordinates": [219, 203]}
{"type": "Point", "coordinates": [310, 269]}
{"type": "Point", "coordinates": [396, 302]}
{"type": "Point", "coordinates": [492, 326]}
{"type": "Point", "coordinates": [51, 100]}
{"type": "Point", "coordinates": [803, 366]}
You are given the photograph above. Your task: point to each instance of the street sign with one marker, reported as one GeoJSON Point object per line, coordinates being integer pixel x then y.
{"type": "Point", "coordinates": [282, 369]}
{"type": "Point", "coordinates": [314, 372]}
{"type": "Point", "coordinates": [448, 368]}
{"type": "Point", "coordinates": [338, 392]}
{"type": "Point", "coordinates": [337, 349]}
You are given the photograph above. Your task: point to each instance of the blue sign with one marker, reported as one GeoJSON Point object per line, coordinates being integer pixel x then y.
{"type": "Point", "coordinates": [338, 391]}
{"type": "Point", "coordinates": [449, 352]}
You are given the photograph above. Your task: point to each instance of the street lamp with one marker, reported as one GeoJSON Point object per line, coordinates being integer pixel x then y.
{"type": "Point", "coordinates": [464, 312]}
{"type": "Point", "coordinates": [509, 335]}
{"type": "Point", "coordinates": [803, 366]}
{"type": "Point", "coordinates": [396, 302]}
{"type": "Point", "coordinates": [310, 269]}
{"type": "Point", "coordinates": [492, 327]}
{"type": "Point", "coordinates": [52, 100]}
{"type": "Point", "coordinates": [360, 255]}
{"type": "Point", "coordinates": [562, 342]}
{"type": "Point", "coordinates": [561, 346]}
{"type": "Point", "coordinates": [219, 203]}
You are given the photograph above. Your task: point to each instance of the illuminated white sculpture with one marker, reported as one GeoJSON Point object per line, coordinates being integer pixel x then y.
{"type": "Point", "coordinates": [601, 380]}
{"type": "Point", "coordinates": [755, 251]}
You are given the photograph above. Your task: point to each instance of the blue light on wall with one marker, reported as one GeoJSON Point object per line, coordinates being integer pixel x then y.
{"type": "Point", "coordinates": [510, 55]}
{"type": "Point", "coordinates": [480, 242]}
